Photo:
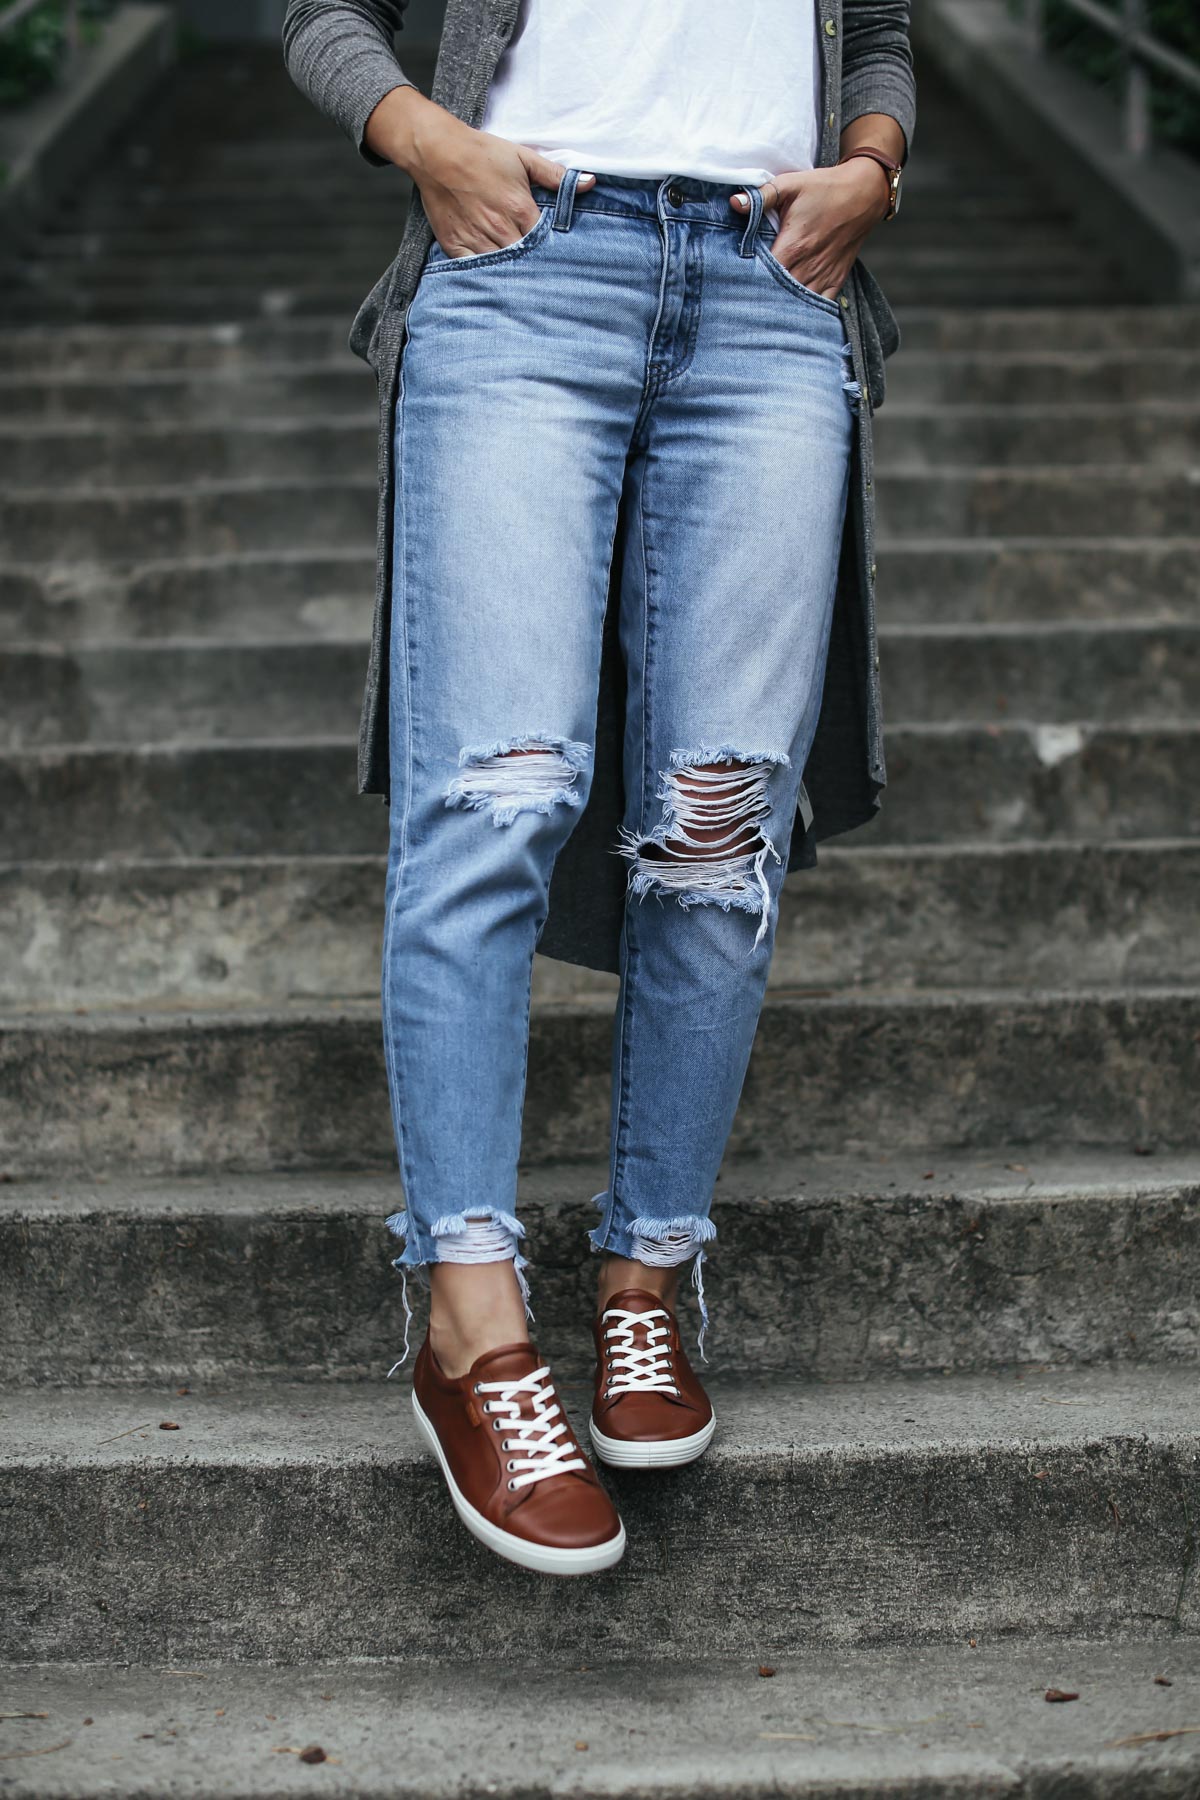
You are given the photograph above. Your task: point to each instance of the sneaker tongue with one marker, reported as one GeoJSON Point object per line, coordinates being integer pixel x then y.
{"type": "Point", "coordinates": [508, 1363]}
{"type": "Point", "coordinates": [636, 1300]}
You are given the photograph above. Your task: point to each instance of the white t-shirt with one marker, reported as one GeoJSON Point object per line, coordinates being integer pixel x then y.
{"type": "Point", "coordinates": [663, 87]}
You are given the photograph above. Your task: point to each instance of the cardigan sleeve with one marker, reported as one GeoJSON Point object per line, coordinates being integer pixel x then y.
{"type": "Point", "coordinates": [340, 54]}
{"type": "Point", "coordinates": [877, 71]}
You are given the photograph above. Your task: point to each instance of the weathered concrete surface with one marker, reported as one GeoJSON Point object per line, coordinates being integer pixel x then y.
{"type": "Point", "coordinates": [950, 1722]}
{"type": "Point", "coordinates": [1026, 329]}
{"type": "Point", "coordinates": [990, 783]}
{"type": "Point", "coordinates": [1036, 579]}
{"type": "Point", "coordinates": [235, 598]}
{"type": "Point", "coordinates": [302, 1522]}
{"type": "Point", "coordinates": [824, 1267]}
{"type": "Point", "coordinates": [141, 693]}
{"type": "Point", "coordinates": [1037, 375]}
{"type": "Point", "coordinates": [257, 930]}
{"type": "Point", "coordinates": [296, 1089]}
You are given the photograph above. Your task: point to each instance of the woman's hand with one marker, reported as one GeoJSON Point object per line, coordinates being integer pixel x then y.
{"type": "Point", "coordinates": [474, 187]}
{"type": "Point", "coordinates": [824, 218]}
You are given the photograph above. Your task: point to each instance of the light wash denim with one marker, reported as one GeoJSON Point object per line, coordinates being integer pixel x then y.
{"type": "Point", "coordinates": [638, 351]}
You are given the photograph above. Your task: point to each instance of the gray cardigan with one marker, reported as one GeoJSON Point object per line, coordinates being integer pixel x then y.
{"type": "Point", "coordinates": [340, 53]}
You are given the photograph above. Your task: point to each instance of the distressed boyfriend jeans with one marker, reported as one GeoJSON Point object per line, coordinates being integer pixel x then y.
{"type": "Point", "coordinates": [640, 347]}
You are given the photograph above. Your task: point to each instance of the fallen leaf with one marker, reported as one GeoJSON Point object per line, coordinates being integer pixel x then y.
{"type": "Point", "coordinates": [765, 1669]}
{"type": "Point", "coordinates": [1159, 1681]}
{"type": "Point", "coordinates": [180, 1392]}
{"type": "Point", "coordinates": [928, 1175]}
{"type": "Point", "coordinates": [168, 1425]}
{"type": "Point", "coordinates": [220, 1713]}
{"type": "Point", "coordinates": [581, 1744]}
{"type": "Point", "coordinates": [1152, 1737]}
{"type": "Point", "coordinates": [971, 1643]}
{"type": "Point", "coordinates": [89, 1721]}
{"type": "Point", "coordinates": [1041, 1474]}
{"type": "Point", "coordinates": [1060, 1694]}
{"type": "Point", "coordinates": [1019, 1168]}
{"type": "Point", "coordinates": [312, 1753]}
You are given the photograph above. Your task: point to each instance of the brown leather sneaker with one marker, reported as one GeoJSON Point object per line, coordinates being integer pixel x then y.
{"type": "Point", "coordinates": [650, 1411]}
{"type": "Point", "coordinates": [518, 1480]}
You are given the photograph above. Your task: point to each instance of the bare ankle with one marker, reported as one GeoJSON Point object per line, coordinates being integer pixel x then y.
{"type": "Point", "coordinates": [618, 1272]}
{"type": "Point", "coordinates": [473, 1308]}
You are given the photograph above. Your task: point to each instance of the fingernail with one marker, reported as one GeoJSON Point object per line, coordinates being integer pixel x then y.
{"type": "Point", "coordinates": [741, 199]}
{"type": "Point", "coordinates": [586, 178]}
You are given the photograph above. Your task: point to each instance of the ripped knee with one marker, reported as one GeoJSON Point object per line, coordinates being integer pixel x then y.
{"type": "Point", "coordinates": [711, 846]}
{"type": "Point", "coordinates": [536, 773]}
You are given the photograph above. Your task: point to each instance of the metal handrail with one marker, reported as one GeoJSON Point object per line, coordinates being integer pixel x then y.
{"type": "Point", "coordinates": [20, 9]}
{"type": "Point", "coordinates": [1140, 52]}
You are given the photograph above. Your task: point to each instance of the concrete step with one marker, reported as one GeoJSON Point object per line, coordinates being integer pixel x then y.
{"type": "Point", "coordinates": [1032, 378]}
{"type": "Point", "coordinates": [248, 303]}
{"type": "Point", "coordinates": [1038, 329]}
{"type": "Point", "coordinates": [910, 439]}
{"type": "Point", "coordinates": [244, 596]}
{"type": "Point", "coordinates": [236, 597]}
{"type": "Point", "coordinates": [262, 930]}
{"type": "Point", "coordinates": [943, 1721]}
{"type": "Point", "coordinates": [285, 447]}
{"type": "Point", "coordinates": [202, 518]}
{"type": "Point", "coordinates": [213, 398]}
{"type": "Point", "coordinates": [164, 273]}
{"type": "Point", "coordinates": [139, 692]}
{"type": "Point", "coordinates": [948, 783]}
{"type": "Point", "coordinates": [286, 1523]}
{"type": "Point", "coordinates": [829, 1267]}
{"type": "Point", "coordinates": [113, 352]}
{"type": "Point", "coordinates": [1151, 433]}
{"type": "Point", "coordinates": [1005, 580]}
{"type": "Point", "coordinates": [302, 1086]}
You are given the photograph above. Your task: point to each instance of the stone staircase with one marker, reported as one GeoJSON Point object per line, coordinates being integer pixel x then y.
{"type": "Point", "coordinates": [974, 1471]}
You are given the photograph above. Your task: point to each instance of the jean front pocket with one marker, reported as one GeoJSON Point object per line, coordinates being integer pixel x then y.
{"type": "Point", "coordinates": [787, 280]}
{"type": "Point", "coordinates": [438, 263]}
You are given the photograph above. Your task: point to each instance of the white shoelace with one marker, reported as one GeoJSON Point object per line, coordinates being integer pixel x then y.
{"type": "Point", "coordinates": [546, 1448]}
{"type": "Point", "coordinates": [638, 1371]}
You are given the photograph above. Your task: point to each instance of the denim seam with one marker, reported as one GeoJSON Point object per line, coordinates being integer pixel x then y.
{"type": "Point", "coordinates": [629, 936]}
{"type": "Point", "coordinates": [402, 562]}
{"type": "Point", "coordinates": [694, 288]}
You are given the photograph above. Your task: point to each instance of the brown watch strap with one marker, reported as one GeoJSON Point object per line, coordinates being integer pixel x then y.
{"type": "Point", "coordinates": [890, 167]}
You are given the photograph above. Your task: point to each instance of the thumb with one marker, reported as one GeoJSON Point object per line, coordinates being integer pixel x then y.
{"type": "Point", "coordinates": [545, 173]}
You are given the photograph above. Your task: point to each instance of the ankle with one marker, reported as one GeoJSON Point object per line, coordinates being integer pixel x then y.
{"type": "Point", "coordinates": [473, 1308]}
{"type": "Point", "coordinates": [620, 1272]}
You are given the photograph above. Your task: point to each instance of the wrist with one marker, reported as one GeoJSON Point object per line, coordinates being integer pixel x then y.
{"type": "Point", "coordinates": [870, 182]}
{"type": "Point", "coordinates": [411, 131]}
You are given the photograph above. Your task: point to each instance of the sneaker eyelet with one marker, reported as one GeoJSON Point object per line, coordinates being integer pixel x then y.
{"type": "Point", "coordinates": [497, 1424]}
{"type": "Point", "coordinates": [512, 1487]}
{"type": "Point", "coordinates": [510, 1465]}
{"type": "Point", "coordinates": [477, 1389]}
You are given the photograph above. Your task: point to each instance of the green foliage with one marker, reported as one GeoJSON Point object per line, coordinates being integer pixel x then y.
{"type": "Point", "coordinates": [1175, 109]}
{"type": "Point", "coordinates": [32, 52]}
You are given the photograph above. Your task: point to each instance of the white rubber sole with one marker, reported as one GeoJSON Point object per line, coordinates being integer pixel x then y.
{"type": "Point", "coordinates": [544, 1558]}
{"type": "Point", "coordinates": [668, 1453]}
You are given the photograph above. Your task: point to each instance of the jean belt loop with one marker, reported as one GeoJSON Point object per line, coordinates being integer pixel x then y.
{"type": "Point", "coordinates": [564, 200]}
{"type": "Point", "coordinates": [746, 247]}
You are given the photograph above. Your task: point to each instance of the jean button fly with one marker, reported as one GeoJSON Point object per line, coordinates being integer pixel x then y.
{"type": "Point", "coordinates": [675, 196]}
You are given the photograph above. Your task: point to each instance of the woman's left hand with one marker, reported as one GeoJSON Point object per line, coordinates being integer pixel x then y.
{"type": "Point", "coordinates": [824, 218]}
